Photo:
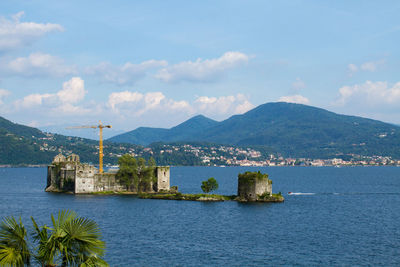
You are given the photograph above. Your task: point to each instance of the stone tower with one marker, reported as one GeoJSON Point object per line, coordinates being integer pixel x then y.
{"type": "Point", "coordinates": [163, 175]}
{"type": "Point", "coordinates": [254, 185]}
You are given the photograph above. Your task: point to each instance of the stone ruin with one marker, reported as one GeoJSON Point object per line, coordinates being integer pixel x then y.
{"type": "Point", "coordinates": [254, 186]}
{"type": "Point", "coordinates": [68, 174]}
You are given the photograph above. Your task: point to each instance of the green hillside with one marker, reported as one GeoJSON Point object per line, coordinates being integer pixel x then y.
{"type": "Point", "coordinates": [294, 130]}
{"type": "Point", "coordinates": [21, 144]}
{"type": "Point", "coordinates": [304, 131]}
{"type": "Point", "coordinates": [181, 132]}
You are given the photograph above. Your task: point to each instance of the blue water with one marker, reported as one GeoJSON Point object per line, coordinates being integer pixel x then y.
{"type": "Point", "coordinates": [352, 218]}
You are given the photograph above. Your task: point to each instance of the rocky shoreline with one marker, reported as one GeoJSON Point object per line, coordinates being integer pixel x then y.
{"type": "Point", "coordinates": [275, 198]}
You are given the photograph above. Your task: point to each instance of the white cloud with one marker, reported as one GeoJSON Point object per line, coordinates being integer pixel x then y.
{"type": "Point", "coordinates": [224, 105]}
{"type": "Point", "coordinates": [15, 34]}
{"type": "Point", "coordinates": [38, 64]}
{"type": "Point", "coordinates": [370, 66]}
{"type": "Point", "coordinates": [243, 107]}
{"type": "Point", "coordinates": [33, 100]}
{"type": "Point", "coordinates": [3, 94]}
{"type": "Point", "coordinates": [126, 74]}
{"type": "Point", "coordinates": [73, 91]}
{"type": "Point", "coordinates": [136, 103]}
{"type": "Point", "coordinates": [141, 105]}
{"type": "Point", "coordinates": [118, 98]}
{"type": "Point", "coordinates": [62, 102]}
{"type": "Point", "coordinates": [202, 70]}
{"type": "Point", "coordinates": [299, 99]}
{"type": "Point", "coordinates": [298, 84]}
{"type": "Point", "coordinates": [152, 100]}
{"type": "Point", "coordinates": [178, 105]}
{"type": "Point", "coordinates": [371, 93]}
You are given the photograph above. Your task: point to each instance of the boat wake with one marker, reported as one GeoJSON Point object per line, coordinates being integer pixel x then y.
{"type": "Point", "coordinates": [300, 194]}
{"type": "Point", "coordinates": [347, 193]}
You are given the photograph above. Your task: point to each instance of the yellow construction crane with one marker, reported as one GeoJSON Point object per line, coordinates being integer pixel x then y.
{"type": "Point", "coordinates": [100, 126]}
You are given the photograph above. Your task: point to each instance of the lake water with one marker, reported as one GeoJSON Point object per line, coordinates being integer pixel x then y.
{"type": "Point", "coordinates": [352, 218]}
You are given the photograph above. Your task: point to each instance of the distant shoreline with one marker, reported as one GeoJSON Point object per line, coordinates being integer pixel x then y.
{"type": "Point", "coordinates": [219, 166]}
{"type": "Point", "coordinates": [23, 166]}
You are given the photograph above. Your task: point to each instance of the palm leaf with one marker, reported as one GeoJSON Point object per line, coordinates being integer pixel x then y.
{"type": "Point", "coordinates": [82, 240]}
{"type": "Point", "coordinates": [10, 257]}
{"type": "Point", "coordinates": [14, 249]}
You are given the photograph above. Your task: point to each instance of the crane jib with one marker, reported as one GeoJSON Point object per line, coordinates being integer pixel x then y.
{"type": "Point", "coordinates": [100, 126]}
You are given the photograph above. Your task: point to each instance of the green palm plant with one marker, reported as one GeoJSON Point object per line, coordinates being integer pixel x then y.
{"type": "Point", "coordinates": [14, 251]}
{"type": "Point", "coordinates": [71, 241]}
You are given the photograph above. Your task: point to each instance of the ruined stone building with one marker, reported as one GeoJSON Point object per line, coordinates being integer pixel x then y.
{"type": "Point", "coordinates": [68, 174]}
{"type": "Point", "coordinates": [254, 186]}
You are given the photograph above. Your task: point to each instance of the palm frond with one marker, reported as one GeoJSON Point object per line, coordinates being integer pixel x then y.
{"type": "Point", "coordinates": [82, 240]}
{"type": "Point", "coordinates": [14, 247]}
{"type": "Point", "coordinates": [94, 261]}
{"type": "Point", "coordinates": [10, 257]}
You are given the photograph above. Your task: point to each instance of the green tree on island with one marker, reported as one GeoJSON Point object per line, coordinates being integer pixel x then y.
{"type": "Point", "coordinates": [134, 174]}
{"type": "Point", "coordinates": [71, 241]}
{"type": "Point", "coordinates": [210, 185]}
{"type": "Point", "coordinates": [127, 173]}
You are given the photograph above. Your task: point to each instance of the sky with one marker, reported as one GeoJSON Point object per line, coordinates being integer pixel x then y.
{"type": "Point", "coordinates": [159, 63]}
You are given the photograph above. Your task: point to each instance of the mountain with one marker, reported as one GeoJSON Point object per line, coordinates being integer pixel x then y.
{"type": "Point", "coordinates": [21, 144]}
{"type": "Point", "coordinates": [14, 139]}
{"type": "Point", "coordinates": [22, 130]}
{"type": "Point", "coordinates": [294, 130]}
{"type": "Point", "coordinates": [181, 132]}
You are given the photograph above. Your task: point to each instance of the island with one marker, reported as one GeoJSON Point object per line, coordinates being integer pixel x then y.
{"type": "Point", "coordinates": [69, 175]}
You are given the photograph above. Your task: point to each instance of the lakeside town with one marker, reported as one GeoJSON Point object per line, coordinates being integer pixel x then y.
{"type": "Point", "coordinates": [209, 155]}
{"type": "Point", "coordinates": [220, 155]}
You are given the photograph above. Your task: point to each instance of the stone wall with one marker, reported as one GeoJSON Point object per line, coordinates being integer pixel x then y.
{"type": "Point", "coordinates": [68, 174]}
{"type": "Point", "coordinates": [251, 185]}
{"type": "Point", "coordinates": [85, 178]}
{"type": "Point", "coordinates": [107, 182]}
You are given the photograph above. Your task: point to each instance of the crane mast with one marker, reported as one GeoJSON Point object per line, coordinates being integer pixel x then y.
{"type": "Point", "coordinates": [100, 127]}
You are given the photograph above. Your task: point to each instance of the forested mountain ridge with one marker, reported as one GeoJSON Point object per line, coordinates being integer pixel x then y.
{"type": "Point", "coordinates": [181, 132]}
{"type": "Point", "coordinates": [20, 144]}
{"type": "Point", "coordinates": [294, 130]}
{"type": "Point", "coordinates": [24, 145]}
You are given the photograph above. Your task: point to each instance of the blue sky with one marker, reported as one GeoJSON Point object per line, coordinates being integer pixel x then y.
{"type": "Point", "coordinates": [158, 63]}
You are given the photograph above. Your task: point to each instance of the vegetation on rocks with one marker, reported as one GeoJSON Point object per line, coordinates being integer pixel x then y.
{"type": "Point", "coordinates": [251, 177]}
{"type": "Point", "coordinates": [193, 197]}
{"type": "Point", "coordinates": [270, 198]}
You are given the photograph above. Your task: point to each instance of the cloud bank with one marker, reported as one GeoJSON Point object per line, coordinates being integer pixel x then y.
{"type": "Point", "coordinates": [38, 64]}
{"type": "Point", "coordinates": [370, 93]}
{"type": "Point", "coordinates": [299, 99]}
{"type": "Point", "coordinates": [370, 66]}
{"type": "Point", "coordinates": [63, 102]}
{"type": "Point", "coordinates": [126, 74]}
{"type": "Point", "coordinates": [128, 108]}
{"type": "Point", "coordinates": [15, 34]}
{"type": "Point", "coordinates": [202, 70]}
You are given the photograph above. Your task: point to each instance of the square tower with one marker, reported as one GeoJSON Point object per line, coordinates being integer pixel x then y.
{"type": "Point", "coordinates": [253, 185]}
{"type": "Point", "coordinates": [163, 176]}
